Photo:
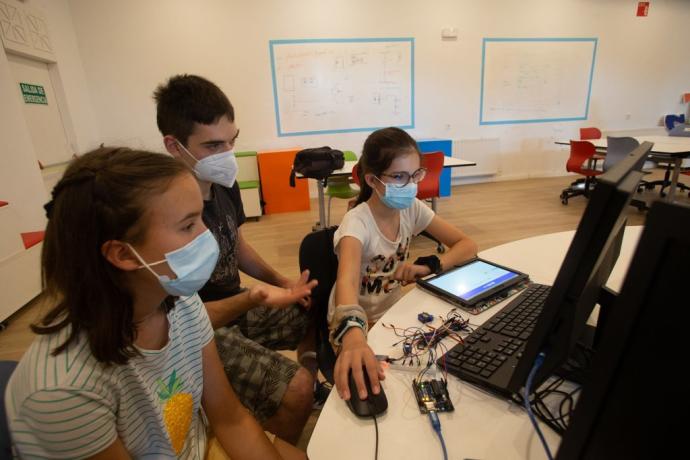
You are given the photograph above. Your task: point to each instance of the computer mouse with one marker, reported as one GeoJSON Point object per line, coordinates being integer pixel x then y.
{"type": "Point", "coordinates": [372, 405]}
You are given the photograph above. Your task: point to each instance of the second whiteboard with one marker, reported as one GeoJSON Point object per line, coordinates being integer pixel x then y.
{"type": "Point", "coordinates": [532, 80]}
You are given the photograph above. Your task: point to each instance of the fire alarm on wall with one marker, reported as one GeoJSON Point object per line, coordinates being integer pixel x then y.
{"type": "Point", "coordinates": [642, 9]}
{"type": "Point", "coordinates": [449, 33]}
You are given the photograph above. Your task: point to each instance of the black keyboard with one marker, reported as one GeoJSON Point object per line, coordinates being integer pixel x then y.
{"type": "Point", "coordinates": [490, 353]}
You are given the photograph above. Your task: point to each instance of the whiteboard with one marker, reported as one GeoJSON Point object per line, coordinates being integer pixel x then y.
{"type": "Point", "coordinates": [533, 80]}
{"type": "Point", "coordinates": [342, 85]}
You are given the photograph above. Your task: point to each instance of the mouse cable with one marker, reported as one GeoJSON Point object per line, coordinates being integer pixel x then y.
{"type": "Point", "coordinates": [376, 426]}
{"type": "Point", "coordinates": [436, 425]}
{"type": "Point", "coordinates": [528, 406]}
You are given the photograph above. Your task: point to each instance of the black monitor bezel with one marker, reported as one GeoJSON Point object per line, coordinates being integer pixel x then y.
{"type": "Point", "coordinates": [617, 412]}
{"type": "Point", "coordinates": [585, 269]}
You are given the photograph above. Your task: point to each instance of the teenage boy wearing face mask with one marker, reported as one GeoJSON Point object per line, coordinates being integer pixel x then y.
{"type": "Point", "coordinates": [198, 124]}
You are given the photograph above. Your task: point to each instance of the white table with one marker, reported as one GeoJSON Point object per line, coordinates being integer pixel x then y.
{"type": "Point", "coordinates": [482, 426]}
{"type": "Point", "coordinates": [346, 170]}
{"type": "Point", "coordinates": [666, 149]}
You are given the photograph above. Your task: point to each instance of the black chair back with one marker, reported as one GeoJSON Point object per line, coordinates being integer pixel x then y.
{"type": "Point", "coordinates": [316, 254]}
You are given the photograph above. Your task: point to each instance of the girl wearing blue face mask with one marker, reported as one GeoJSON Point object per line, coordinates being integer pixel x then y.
{"type": "Point", "coordinates": [125, 362]}
{"type": "Point", "coordinates": [372, 244]}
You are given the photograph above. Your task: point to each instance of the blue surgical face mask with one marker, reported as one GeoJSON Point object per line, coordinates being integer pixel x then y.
{"type": "Point", "coordinates": [192, 264]}
{"type": "Point", "coordinates": [219, 168]}
{"type": "Point", "coordinates": [398, 197]}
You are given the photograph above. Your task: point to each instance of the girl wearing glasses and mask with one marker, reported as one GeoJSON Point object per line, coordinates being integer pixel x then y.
{"type": "Point", "coordinates": [372, 245]}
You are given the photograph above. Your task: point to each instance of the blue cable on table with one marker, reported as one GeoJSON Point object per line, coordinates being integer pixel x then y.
{"type": "Point", "coordinates": [436, 424]}
{"type": "Point", "coordinates": [525, 396]}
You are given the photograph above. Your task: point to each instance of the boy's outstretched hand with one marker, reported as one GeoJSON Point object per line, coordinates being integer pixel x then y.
{"type": "Point", "coordinates": [297, 291]}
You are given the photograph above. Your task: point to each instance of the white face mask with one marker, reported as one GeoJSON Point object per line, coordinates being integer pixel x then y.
{"type": "Point", "coordinates": [219, 168]}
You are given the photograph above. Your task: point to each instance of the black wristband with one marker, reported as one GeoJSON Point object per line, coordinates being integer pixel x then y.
{"type": "Point", "coordinates": [433, 262]}
{"type": "Point", "coordinates": [345, 324]}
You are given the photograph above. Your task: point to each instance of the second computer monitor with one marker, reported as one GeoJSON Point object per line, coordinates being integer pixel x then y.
{"type": "Point", "coordinates": [628, 407]}
{"type": "Point", "coordinates": [585, 269]}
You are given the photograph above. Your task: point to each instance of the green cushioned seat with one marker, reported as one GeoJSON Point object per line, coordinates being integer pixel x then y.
{"type": "Point", "coordinates": [248, 184]}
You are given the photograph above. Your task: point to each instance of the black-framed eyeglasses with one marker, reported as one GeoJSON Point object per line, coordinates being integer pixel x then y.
{"type": "Point", "coordinates": [402, 178]}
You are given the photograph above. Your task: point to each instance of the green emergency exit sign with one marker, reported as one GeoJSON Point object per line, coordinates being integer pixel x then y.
{"type": "Point", "coordinates": [33, 94]}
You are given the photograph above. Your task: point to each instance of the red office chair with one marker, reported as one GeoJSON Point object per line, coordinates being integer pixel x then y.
{"type": "Point", "coordinates": [586, 134]}
{"type": "Point", "coordinates": [580, 153]}
{"type": "Point", "coordinates": [589, 133]}
{"type": "Point", "coordinates": [430, 187]}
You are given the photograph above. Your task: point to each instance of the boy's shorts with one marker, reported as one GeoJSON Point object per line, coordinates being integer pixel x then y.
{"type": "Point", "coordinates": [259, 374]}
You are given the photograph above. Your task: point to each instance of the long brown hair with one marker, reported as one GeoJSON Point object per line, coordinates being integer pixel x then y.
{"type": "Point", "coordinates": [379, 151]}
{"type": "Point", "coordinates": [102, 196]}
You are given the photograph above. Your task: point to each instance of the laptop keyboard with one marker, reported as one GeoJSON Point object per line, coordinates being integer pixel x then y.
{"type": "Point", "coordinates": [491, 352]}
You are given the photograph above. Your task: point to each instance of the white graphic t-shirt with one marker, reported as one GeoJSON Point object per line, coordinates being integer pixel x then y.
{"type": "Point", "coordinates": [380, 256]}
{"type": "Point", "coordinates": [72, 406]}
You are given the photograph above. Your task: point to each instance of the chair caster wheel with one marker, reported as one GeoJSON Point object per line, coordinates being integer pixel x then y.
{"type": "Point", "coordinates": [440, 249]}
{"type": "Point", "coordinates": [564, 201]}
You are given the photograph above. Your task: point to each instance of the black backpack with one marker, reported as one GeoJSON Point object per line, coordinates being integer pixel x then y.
{"type": "Point", "coordinates": [317, 163]}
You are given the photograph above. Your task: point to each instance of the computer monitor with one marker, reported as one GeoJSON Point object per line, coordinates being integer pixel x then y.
{"type": "Point", "coordinates": [584, 271]}
{"type": "Point", "coordinates": [630, 406]}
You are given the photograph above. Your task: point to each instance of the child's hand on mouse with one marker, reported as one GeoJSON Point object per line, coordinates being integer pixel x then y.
{"type": "Point", "coordinates": [354, 355]}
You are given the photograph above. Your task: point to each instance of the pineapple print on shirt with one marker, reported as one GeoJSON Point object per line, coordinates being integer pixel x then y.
{"type": "Point", "coordinates": [177, 413]}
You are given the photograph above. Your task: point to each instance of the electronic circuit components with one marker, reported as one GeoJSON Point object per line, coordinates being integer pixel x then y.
{"type": "Point", "coordinates": [425, 317]}
{"type": "Point", "coordinates": [432, 395]}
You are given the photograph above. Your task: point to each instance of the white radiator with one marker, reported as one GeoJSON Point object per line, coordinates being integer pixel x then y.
{"type": "Point", "coordinates": [484, 152]}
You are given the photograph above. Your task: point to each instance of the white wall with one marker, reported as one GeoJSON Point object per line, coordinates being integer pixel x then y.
{"type": "Point", "coordinates": [130, 46]}
{"type": "Point", "coordinates": [21, 182]}
{"type": "Point", "coordinates": [86, 134]}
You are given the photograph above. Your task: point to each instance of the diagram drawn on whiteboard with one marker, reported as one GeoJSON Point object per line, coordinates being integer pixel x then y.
{"type": "Point", "coordinates": [342, 85]}
{"type": "Point", "coordinates": [534, 80]}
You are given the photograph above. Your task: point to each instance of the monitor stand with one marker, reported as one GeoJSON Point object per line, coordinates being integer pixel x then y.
{"type": "Point", "coordinates": [576, 368]}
